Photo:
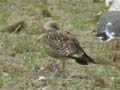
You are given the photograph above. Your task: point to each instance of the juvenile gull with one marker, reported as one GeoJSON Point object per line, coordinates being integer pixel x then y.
{"type": "Point", "coordinates": [62, 45]}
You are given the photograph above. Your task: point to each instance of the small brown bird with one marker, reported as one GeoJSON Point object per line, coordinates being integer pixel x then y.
{"type": "Point", "coordinates": [62, 45]}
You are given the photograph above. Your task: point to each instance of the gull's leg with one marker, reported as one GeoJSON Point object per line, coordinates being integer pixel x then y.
{"type": "Point", "coordinates": [63, 69]}
{"type": "Point", "coordinates": [53, 66]}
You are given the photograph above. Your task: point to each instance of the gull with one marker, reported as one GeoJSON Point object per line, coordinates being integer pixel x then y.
{"type": "Point", "coordinates": [62, 45]}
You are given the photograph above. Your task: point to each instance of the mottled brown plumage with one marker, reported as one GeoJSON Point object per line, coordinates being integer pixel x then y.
{"type": "Point", "coordinates": [62, 45]}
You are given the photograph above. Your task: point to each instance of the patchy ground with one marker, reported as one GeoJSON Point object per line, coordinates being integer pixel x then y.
{"type": "Point", "coordinates": [23, 62]}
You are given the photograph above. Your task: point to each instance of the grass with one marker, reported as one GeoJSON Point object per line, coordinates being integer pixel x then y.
{"type": "Point", "coordinates": [23, 60]}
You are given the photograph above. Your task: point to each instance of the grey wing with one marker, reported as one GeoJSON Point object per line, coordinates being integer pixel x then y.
{"type": "Point", "coordinates": [109, 17]}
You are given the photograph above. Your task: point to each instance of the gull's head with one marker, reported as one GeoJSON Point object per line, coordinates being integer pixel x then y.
{"type": "Point", "coordinates": [51, 25]}
{"type": "Point", "coordinates": [108, 3]}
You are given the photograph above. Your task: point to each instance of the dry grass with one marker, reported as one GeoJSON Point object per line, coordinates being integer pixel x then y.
{"type": "Point", "coordinates": [22, 57]}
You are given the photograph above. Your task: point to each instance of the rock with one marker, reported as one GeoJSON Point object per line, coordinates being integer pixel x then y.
{"type": "Point", "coordinates": [13, 27]}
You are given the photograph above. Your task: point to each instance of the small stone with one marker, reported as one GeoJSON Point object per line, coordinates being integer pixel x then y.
{"type": "Point", "coordinates": [42, 78]}
{"type": "Point", "coordinates": [112, 78]}
{"type": "Point", "coordinates": [42, 68]}
{"type": "Point", "coordinates": [44, 88]}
